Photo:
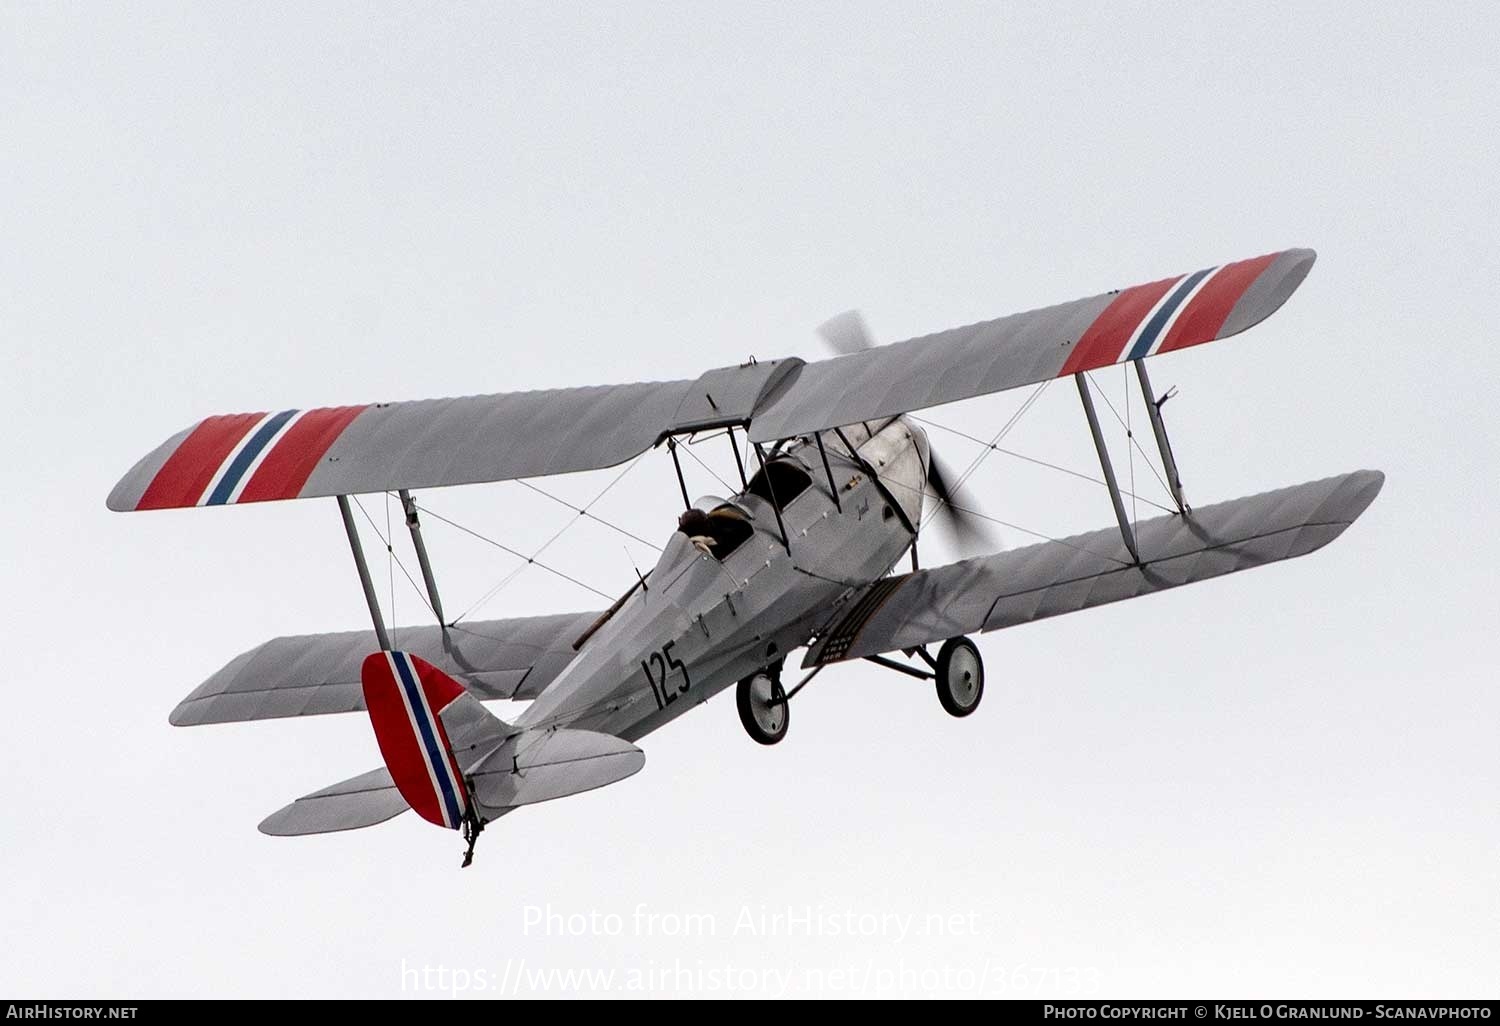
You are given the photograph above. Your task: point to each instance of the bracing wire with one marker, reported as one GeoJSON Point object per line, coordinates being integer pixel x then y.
{"type": "Point", "coordinates": [731, 488]}
{"type": "Point", "coordinates": [532, 560]}
{"type": "Point", "coordinates": [1005, 429]}
{"type": "Point", "coordinates": [1137, 448]}
{"type": "Point", "coordinates": [594, 517]}
{"type": "Point", "coordinates": [526, 561]}
{"type": "Point", "coordinates": [991, 446]}
{"type": "Point", "coordinates": [421, 594]}
{"type": "Point", "coordinates": [1031, 459]}
{"type": "Point", "coordinates": [1017, 527]}
{"type": "Point", "coordinates": [390, 557]}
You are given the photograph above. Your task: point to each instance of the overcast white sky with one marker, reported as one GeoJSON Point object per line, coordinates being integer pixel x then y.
{"type": "Point", "coordinates": [1281, 782]}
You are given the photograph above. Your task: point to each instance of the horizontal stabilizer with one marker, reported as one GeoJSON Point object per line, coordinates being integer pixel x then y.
{"type": "Point", "coordinates": [1032, 583]}
{"type": "Point", "coordinates": [533, 767]}
{"type": "Point", "coordinates": [361, 801]}
{"type": "Point", "coordinates": [540, 765]}
{"type": "Point", "coordinates": [450, 759]}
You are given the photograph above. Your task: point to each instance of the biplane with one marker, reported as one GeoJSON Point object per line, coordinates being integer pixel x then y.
{"type": "Point", "coordinates": [808, 556]}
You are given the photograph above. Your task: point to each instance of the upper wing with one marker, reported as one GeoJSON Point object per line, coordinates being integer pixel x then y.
{"type": "Point", "coordinates": [311, 674]}
{"type": "Point", "coordinates": [351, 450]}
{"type": "Point", "coordinates": [1058, 577]}
{"type": "Point", "coordinates": [1025, 348]}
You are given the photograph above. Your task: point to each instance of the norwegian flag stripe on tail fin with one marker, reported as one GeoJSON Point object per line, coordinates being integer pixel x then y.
{"type": "Point", "coordinates": [441, 769]}
{"type": "Point", "coordinates": [406, 698]}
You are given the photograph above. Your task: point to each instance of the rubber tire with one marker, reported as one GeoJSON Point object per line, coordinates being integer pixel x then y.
{"type": "Point", "coordinates": [951, 702]}
{"type": "Point", "coordinates": [743, 701]}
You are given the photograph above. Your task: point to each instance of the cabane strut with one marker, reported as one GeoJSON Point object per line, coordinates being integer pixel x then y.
{"type": "Point", "coordinates": [739, 464]}
{"type": "Point", "coordinates": [760, 455]}
{"type": "Point", "coordinates": [833, 489]}
{"type": "Point", "coordinates": [681, 481]}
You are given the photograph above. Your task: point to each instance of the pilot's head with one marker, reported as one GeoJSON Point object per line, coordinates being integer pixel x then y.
{"type": "Point", "coordinates": [692, 521]}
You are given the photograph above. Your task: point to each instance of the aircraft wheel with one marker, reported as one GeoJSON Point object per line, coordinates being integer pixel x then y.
{"type": "Point", "coordinates": [764, 710]}
{"type": "Point", "coordinates": [960, 676]}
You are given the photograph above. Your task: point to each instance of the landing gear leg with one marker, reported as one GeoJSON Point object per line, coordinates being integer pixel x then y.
{"type": "Point", "coordinates": [764, 709]}
{"type": "Point", "coordinates": [960, 676]}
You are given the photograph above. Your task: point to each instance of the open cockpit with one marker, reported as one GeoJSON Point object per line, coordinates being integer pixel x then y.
{"type": "Point", "coordinates": [717, 527]}
{"type": "Point", "coordinates": [717, 531]}
{"type": "Point", "coordinates": [780, 481]}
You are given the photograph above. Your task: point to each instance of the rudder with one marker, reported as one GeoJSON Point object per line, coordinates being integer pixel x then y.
{"type": "Point", "coordinates": [406, 697]}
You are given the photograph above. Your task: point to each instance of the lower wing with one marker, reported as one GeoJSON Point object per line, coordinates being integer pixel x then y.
{"type": "Point", "coordinates": [1053, 578]}
{"type": "Point", "coordinates": [312, 674]}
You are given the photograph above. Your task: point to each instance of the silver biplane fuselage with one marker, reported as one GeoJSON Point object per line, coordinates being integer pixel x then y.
{"type": "Point", "coordinates": [700, 623]}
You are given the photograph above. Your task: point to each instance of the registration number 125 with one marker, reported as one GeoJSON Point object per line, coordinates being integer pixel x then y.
{"type": "Point", "coordinates": [659, 668]}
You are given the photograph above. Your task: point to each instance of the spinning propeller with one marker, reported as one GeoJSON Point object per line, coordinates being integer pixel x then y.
{"type": "Point", "coordinates": [846, 334]}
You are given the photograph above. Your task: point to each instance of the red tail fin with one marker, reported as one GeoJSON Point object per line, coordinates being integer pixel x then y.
{"type": "Point", "coordinates": [406, 697]}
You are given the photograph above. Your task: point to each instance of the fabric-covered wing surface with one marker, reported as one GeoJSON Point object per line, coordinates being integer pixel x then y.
{"type": "Point", "coordinates": [312, 674]}
{"type": "Point", "coordinates": [1045, 580]}
{"type": "Point", "coordinates": [351, 450]}
{"type": "Point", "coordinates": [1026, 348]}
{"type": "Point", "coordinates": [255, 457]}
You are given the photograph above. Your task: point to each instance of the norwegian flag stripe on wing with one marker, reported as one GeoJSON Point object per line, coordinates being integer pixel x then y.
{"type": "Point", "coordinates": [246, 457]}
{"type": "Point", "coordinates": [1165, 315]}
